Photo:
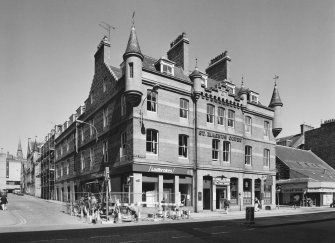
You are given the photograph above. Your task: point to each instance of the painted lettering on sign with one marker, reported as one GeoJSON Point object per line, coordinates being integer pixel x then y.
{"type": "Point", "coordinates": [220, 136]}
{"type": "Point", "coordinates": [161, 170]}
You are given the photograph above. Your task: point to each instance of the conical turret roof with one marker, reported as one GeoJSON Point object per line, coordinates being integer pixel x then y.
{"type": "Point", "coordinates": [28, 149]}
{"type": "Point", "coordinates": [133, 47]}
{"type": "Point", "coordinates": [275, 100]}
{"type": "Point", "coordinates": [195, 74]}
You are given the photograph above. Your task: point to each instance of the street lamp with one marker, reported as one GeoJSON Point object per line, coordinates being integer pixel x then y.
{"type": "Point", "coordinates": [153, 90]}
{"type": "Point", "coordinates": [96, 131]}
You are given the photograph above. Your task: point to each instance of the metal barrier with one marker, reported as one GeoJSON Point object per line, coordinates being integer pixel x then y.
{"type": "Point", "coordinates": [92, 208]}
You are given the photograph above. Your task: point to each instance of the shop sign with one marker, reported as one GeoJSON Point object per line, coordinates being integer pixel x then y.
{"type": "Point", "coordinates": [161, 170]}
{"type": "Point", "coordinates": [221, 181]}
{"type": "Point", "coordinates": [220, 136]}
{"type": "Point", "coordinates": [310, 190]}
{"type": "Point", "coordinates": [292, 190]}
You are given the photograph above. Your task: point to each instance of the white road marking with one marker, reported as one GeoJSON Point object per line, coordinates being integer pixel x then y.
{"type": "Point", "coordinates": [104, 236]}
{"type": "Point", "coordinates": [182, 236]}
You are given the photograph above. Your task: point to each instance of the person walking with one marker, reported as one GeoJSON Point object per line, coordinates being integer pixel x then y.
{"type": "Point", "coordinates": [256, 204]}
{"type": "Point", "coordinates": [4, 202]}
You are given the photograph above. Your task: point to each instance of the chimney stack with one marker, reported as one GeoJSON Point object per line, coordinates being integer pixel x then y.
{"type": "Point", "coordinates": [179, 52]}
{"type": "Point", "coordinates": [103, 53]}
{"type": "Point", "coordinates": [219, 67]}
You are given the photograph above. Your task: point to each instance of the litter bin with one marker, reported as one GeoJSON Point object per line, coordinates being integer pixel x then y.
{"type": "Point", "coordinates": [249, 215]}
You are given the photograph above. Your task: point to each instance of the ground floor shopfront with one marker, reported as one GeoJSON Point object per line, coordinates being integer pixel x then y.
{"type": "Point", "coordinates": [151, 185]}
{"type": "Point", "coordinates": [302, 190]}
{"type": "Point", "coordinates": [240, 188]}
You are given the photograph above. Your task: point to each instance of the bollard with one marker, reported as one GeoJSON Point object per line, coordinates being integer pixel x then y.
{"type": "Point", "coordinates": [249, 215]}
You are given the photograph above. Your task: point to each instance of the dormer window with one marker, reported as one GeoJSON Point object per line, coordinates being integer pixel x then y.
{"type": "Point", "coordinates": [230, 88]}
{"type": "Point", "coordinates": [167, 69]}
{"type": "Point", "coordinates": [165, 66]}
{"type": "Point", "coordinates": [253, 97]}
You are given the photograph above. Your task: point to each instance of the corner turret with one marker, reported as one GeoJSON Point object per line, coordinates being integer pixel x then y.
{"type": "Point", "coordinates": [243, 93]}
{"type": "Point", "coordinates": [196, 78]}
{"type": "Point", "coordinates": [133, 70]}
{"type": "Point", "coordinates": [277, 105]}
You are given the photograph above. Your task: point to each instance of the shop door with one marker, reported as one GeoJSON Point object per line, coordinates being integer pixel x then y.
{"type": "Point", "coordinates": [207, 199]}
{"type": "Point", "coordinates": [221, 194]}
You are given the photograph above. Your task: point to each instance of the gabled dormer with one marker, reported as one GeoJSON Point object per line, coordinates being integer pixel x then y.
{"type": "Point", "coordinates": [253, 97]}
{"type": "Point", "coordinates": [230, 87]}
{"type": "Point", "coordinates": [165, 66]}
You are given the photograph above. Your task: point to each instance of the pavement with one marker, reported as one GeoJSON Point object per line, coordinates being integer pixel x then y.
{"type": "Point", "coordinates": [11, 221]}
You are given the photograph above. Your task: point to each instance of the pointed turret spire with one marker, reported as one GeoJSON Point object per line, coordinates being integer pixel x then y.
{"type": "Point", "coordinates": [275, 100]}
{"type": "Point", "coordinates": [243, 90]}
{"type": "Point", "coordinates": [28, 149]}
{"type": "Point", "coordinates": [133, 48]}
{"type": "Point", "coordinates": [276, 104]}
{"type": "Point", "coordinates": [19, 153]}
{"type": "Point", "coordinates": [35, 149]}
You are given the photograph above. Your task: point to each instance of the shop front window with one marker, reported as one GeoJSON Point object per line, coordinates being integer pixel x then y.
{"type": "Point", "coordinates": [267, 194]}
{"type": "Point", "coordinates": [233, 190]}
{"type": "Point", "coordinates": [247, 191]}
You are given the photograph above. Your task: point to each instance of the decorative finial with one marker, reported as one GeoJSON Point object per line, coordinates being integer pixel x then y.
{"type": "Point", "coordinates": [133, 18]}
{"type": "Point", "coordinates": [196, 63]}
{"type": "Point", "coordinates": [242, 81]}
{"type": "Point", "coordinates": [275, 78]}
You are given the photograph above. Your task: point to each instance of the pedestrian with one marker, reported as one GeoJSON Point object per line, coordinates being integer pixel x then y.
{"type": "Point", "coordinates": [226, 205]}
{"type": "Point", "coordinates": [256, 204]}
{"type": "Point", "coordinates": [4, 202]}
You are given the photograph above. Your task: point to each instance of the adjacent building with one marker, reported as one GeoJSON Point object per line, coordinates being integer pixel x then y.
{"type": "Point", "coordinates": [322, 141]}
{"type": "Point", "coordinates": [47, 161]}
{"type": "Point", "coordinates": [31, 170]}
{"type": "Point", "coordinates": [166, 132]}
{"type": "Point", "coordinates": [301, 175]}
{"type": "Point", "coordinates": [10, 170]}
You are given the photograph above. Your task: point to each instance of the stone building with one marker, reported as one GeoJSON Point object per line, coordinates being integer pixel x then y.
{"type": "Point", "coordinates": [296, 140]}
{"type": "Point", "coordinates": [47, 161]}
{"type": "Point", "coordinates": [166, 133]}
{"type": "Point", "coordinates": [322, 141]}
{"type": "Point", "coordinates": [31, 169]}
{"type": "Point", "coordinates": [10, 170]}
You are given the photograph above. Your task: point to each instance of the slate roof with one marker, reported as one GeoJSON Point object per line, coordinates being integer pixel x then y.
{"type": "Point", "coordinates": [116, 71]}
{"type": "Point", "coordinates": [296, 141]}
{"type": "Point", "coordinates": [305, 163]}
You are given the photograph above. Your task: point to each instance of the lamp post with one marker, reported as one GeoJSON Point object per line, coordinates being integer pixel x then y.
{"type": "Point", "coordinates": [153, 90]}
{"type": "Point", "coordinates": [96, 131]}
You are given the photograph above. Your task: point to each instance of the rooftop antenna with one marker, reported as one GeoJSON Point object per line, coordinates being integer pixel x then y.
{"type": "Point", "coordinates": [107, 27]}
{"type": "Point", "coordinates": [275, 78]}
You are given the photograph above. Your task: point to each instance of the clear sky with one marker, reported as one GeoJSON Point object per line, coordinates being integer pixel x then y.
{"type": "Point", "coordinates": [47, 53]}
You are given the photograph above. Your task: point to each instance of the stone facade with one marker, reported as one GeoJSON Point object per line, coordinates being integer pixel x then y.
{"type": "Point", "coordinates": [151, 125]}
{"type": "Point", "coordinates": [322, 142]}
